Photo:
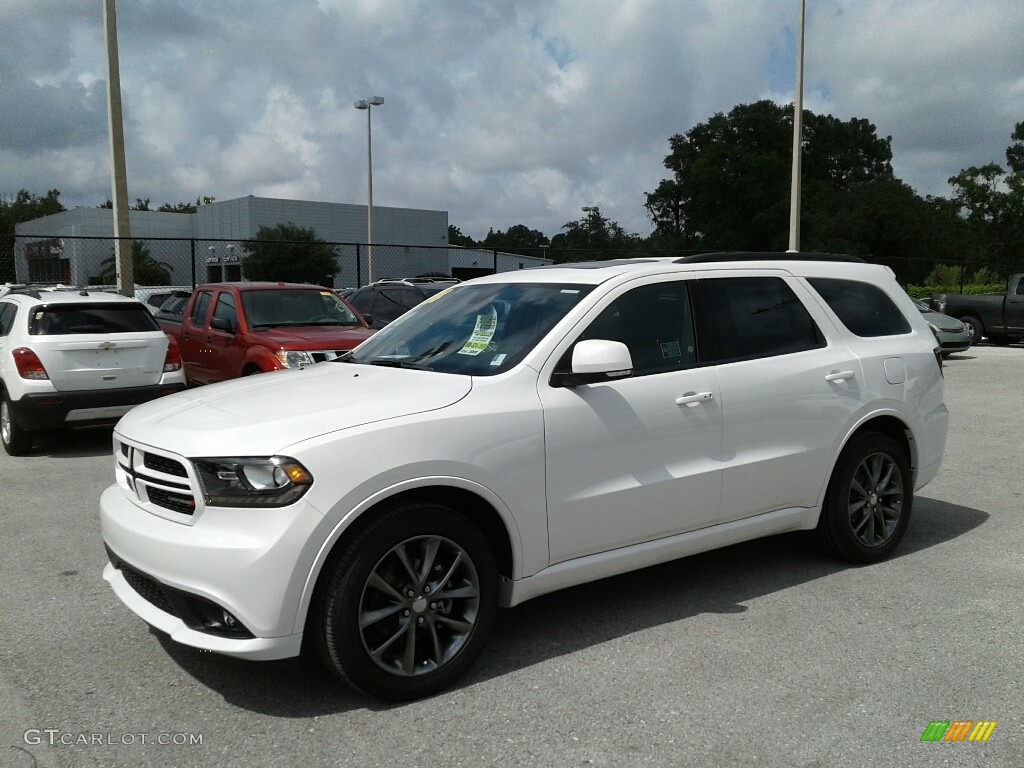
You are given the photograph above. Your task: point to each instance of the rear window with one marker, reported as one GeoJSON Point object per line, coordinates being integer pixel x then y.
{"type": "Point", "coordinates": [866, 310]}
{"type": "Point", "coordinates": [61, 319]}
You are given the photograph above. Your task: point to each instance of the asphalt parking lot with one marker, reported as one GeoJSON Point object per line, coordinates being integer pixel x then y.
{"type": "Point", "coordinates": [762, 654]}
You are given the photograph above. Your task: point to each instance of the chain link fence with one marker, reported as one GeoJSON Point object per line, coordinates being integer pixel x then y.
{"type": "Point", "coordinates": [185, 262]}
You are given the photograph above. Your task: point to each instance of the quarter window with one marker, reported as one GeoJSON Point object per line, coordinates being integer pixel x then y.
{"type": "Point", "coordinates": [865, 309]}
{"type": "Point", "coordinates": [7, 312]}
{"type": "Point", "coordinates": [741, 318]}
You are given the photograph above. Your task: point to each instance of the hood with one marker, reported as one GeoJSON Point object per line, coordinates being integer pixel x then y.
{"type": "Point", "coordinates": [315, 337]}
{"type": "Point", "coordinates": [261, 415]}
{"type": "Point", "coordinates": [943, 322]}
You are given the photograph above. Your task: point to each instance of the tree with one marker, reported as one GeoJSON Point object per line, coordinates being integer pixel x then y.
{"type": "Point", "coordinates": [289, 253]}
{"type": "Point", "coordinates": [592, 237]}
{"type": "Point", "coordinates": [731, 175]}
{"type": "Point", "coordinates": [455, 237]}
{"type": "Point", "coordinates": [516, 239]}
{"type": "Point", "coordinates": [26, 206]}
{"type": "Point", "coordinates": [145, 269]}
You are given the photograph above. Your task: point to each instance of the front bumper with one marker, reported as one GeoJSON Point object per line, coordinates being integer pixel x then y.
{"type": "Point", "coordinates": [252, 563]}
{"type": "Point", "coordinates": [52, 410]}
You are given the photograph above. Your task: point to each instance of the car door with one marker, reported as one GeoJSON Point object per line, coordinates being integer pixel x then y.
{"type": "Point", "coordinates": [787, 392]}
{"type": "Point", "coordinates": [224, 352]}
{"type": "Point", "coordinates": [1014, 314]}
{"type": "Point", "coordinates": [193, 339]}
{"type": "Point", "coordinates": [636, 459]}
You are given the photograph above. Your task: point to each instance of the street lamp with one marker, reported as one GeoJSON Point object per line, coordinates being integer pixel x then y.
{"type": "Point", "coordinates": [368, 105]}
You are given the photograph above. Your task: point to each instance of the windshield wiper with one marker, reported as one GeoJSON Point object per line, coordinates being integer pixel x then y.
{"type": "Point", "coordinates": [392, 362]}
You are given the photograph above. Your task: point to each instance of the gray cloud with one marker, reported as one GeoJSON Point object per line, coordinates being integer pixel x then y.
{"type": "Point", "coordinates": [500, 113]}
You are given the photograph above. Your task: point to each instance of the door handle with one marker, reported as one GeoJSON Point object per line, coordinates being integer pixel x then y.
{"type": "Point", "coordinates": [695, 399]}
{"type": "Point", "coordinates": [840, 376]}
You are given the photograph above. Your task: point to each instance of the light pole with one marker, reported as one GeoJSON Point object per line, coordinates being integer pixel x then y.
{"type": "Point", "coordinates": [798, 122]}
{"type": "Point", "coordinates": [368, 105]}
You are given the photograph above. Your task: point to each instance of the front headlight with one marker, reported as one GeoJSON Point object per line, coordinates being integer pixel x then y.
{"type": "Point", "coordinates": [290, 359]}
{"type": "Point", "coordinates": [252, 481]}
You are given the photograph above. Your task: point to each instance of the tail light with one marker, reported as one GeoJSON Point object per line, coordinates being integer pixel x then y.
{"type": "Point", "coordinates": [172, 360]}
{"type": "Point", "coordinates": [29, 365]}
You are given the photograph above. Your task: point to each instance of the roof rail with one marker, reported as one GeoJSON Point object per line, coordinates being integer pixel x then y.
{"type": "Point", "coordinates": [700, 258]}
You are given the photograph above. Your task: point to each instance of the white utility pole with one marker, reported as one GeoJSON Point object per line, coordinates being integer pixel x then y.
{"type": "Point", "coordinates": [798, 129]}
{"type": "Point", "coordinates": [118, 174]}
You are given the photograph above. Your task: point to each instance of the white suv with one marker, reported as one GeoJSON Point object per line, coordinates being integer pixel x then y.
{"type": "Point", "coordinates": [518, 434]}
{"type": "Point", "coordinates": [74, 358]}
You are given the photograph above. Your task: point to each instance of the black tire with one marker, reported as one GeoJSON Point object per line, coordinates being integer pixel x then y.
{"type": "Point", "coordinates": [384, 627]}
{"type": "Point", "coordinates": [17, 441]}
{"type": "Point", "coordinates": [978, 330]}
{"type": "Point", "coordinates": [869, 500]}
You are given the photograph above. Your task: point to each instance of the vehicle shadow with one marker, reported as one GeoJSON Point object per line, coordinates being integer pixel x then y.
{"type": "Point", "coordinates": [74, 443]}
{"type": "Point", "coordinates": [721, 581]}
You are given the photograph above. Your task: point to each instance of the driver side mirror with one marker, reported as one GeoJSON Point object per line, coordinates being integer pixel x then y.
{"type": "Point", "coordinates": [222, 324]}
{"type": "Point", "coordinates": [595, 361]}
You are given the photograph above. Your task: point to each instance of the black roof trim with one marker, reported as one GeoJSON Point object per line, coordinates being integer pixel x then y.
{"type": "Point", "coordinates": [595, 264]}
{"type": "Point", "coordinates": [701, 258]}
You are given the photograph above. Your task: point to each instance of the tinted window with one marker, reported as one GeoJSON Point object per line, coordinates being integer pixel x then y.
{"type": "Point", "coordinates": [654, 322]}
{"type": "Point", "coordinates": [225, 308]}
{"type": "Point", "coordinates": [865, 309]}
{"type": "Point", "coordinates": [388, 304]}
{"type": "Point", "coordinates": [6, 318]}
{"type": "Point", "coordinates": [200, 307]}
{"type": "Point", "coordinates": [91, 318]}
{"type": "Point", "coordinates": [739, 318]}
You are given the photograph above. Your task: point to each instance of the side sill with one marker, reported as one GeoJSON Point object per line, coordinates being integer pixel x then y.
{"type": "Point", "coordinates": [582, 570]}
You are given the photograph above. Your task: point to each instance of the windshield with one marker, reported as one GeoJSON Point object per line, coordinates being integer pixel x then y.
{"type": "Point", "coordinates": [480, 330]}
{"type": "Point", "coordinates": [291, 307]}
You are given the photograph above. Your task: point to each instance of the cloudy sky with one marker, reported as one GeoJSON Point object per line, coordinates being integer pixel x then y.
{"type": "Point", "coordinates": [500, 112]}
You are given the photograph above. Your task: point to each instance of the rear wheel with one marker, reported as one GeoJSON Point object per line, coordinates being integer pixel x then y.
{"type": "Point", "coordinates": [407, 605]}
{"type": "Point", "coordinates": [868, 502]}
{"type": "Point", "coordinates": [17, 441]}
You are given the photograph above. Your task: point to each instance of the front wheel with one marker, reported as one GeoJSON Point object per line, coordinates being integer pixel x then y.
{"type": "Point", "coordinates": [977, 329]}
{"type": "Point", "coordinates": [407, 605]}
{"type": "Point", "coordinates": [868, 502]}
{"type": "Point", "coordinates": [17, 441]}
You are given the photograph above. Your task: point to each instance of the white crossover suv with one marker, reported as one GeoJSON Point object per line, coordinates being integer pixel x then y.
{"type": "Point", "coordinates": [75, 358]}
{"type": "Point", "coordinates": [517, 434]}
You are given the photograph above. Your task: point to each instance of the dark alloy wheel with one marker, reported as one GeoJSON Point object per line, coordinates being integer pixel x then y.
{"type": "Point", "coordinates": [869, 499]}
{"type": "Point", "coordinates": [407, 605]}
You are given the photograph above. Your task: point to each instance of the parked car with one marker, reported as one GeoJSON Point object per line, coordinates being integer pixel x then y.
{"type": "Point", "coordinates": [226, 330]}
{"type": "Point", "coordinates": [953, 335]}
{"type": "Point", "coordinates": [154, 297]}
{"type": "Point", "coordinates": [522, 433]}
{"type": "Point", "coordinates": [75, 358]}
{"type": "Point", "coordinates": [999, 317]}
{"type": "Point", "coordinates": [385, 300]}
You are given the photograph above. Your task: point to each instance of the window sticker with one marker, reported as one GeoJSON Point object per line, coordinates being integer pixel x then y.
{"type": "Point", "coordinates": [498, 359]}
{"type": "Point", "coordinates": [670, 349]}
{"type": "Point", "coordinates": [483, 332]}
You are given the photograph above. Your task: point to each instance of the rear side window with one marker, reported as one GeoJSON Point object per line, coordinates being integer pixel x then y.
{"type": "Point", "coordinates": [866, 310]}
{"type": "Point", "coordinates": [741, 318]}
{"type": "Point", "coordinates": [226, 308]}
{"type": "Point", "coordinates": [54, 320]}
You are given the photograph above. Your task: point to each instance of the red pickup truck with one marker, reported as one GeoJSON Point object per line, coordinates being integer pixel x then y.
{"type": "Point", "coordinates": [237, 329]}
